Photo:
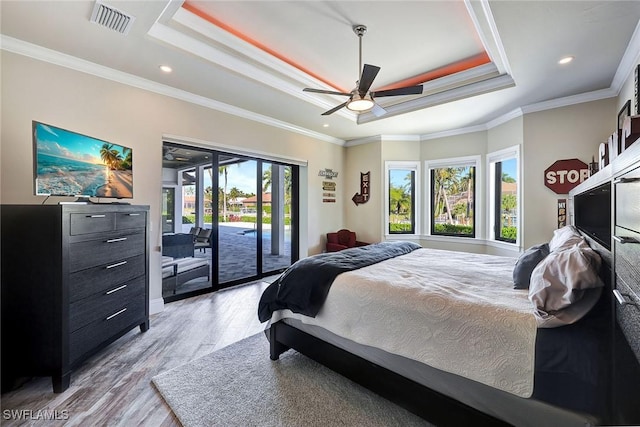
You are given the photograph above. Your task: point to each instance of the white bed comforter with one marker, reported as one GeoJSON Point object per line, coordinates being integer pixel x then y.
{"type": "Point", "coordinates": [454, 311]}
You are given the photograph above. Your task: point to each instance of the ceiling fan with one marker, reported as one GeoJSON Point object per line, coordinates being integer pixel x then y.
{"type": "Point", "coordinates": [360, 98]}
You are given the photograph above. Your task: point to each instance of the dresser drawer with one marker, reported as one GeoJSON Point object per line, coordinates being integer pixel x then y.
{"type": "Point", "coordinates": [103, 251]}
{"type": "Point", "coordinates": [628, 200]}
{"type": "Point", "coordinates": [94, 280]}
{"type": "Point", "coordinates": [100, 305]}
{"type": "Point", "coordinates": [95, 222]}
{"type": "Point", "coordinates": [124, 316]}
{"type": "Point", "coordinates": [627, 257]}
{"type": "Point", "coordinates": [628, 315]}
{"type": "Point", "coordinates": [128, 220]}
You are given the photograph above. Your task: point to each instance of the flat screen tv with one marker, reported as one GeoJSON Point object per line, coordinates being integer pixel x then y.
{"type": "Point", "coordinates": [592, 213]}
{"type": "Point", "coordinates": [72, 164]}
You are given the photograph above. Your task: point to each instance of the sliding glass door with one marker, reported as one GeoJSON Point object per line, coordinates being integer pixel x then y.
{"type": "Point", "coordinates": [187, 226]}
{"type": "Point", "coordinates": [276, 216]}
{"type": "Point", "coordinates": [245, 230]}
{"type": "Point", "coordinates": [237, 216]}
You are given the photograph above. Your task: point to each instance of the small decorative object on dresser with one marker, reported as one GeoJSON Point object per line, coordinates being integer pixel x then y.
{"type": "Point", "coordinates": [74, 279]}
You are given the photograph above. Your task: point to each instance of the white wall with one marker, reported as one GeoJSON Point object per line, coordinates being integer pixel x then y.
{"type": "Point", "coordinates": [563, 133]}
{"type": "Point", "coordinates": [104, 109]}
{"type": "Point", "coordinates": [366, 218]}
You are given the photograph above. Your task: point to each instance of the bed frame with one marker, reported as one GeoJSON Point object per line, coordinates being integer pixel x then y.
{"type": "Point", "coordinates": [429, 404]}
{"type": "Point", "coordinates": [416, 398]}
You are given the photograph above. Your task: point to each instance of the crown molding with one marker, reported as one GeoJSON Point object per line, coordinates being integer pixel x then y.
{"type": "Point", "coordinates": [513, 114]}
{"type": "Point", "coordinates": [40, 53]}
{"type": "Point", "coordinates": [383, 138]}
{"type": "Point", "coordinates": [401, 138]}
{"type": "Point", "coordinates": [365, 140]}
{"type": "Point", "coordinates": [628, 63]}
{"type": "Point", "coordinates": [569, 100]}
{"type": "Point", "coordinates": [453, 132]}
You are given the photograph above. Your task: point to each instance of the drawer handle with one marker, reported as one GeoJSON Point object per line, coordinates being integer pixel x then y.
{"type": "Point", "coordinates": [115, 290]}
{"type": "Point", "coordinates": [134, 214]}
{"type": "Point", "coordinates": [620, 298]}
{"type": "Point", "coordinates": [96, 216]}
{"type": "Point", "coordinates": [624, 239]}
{"type": "Point", "coordinates": [118, 264]}
{"type": "Point", "coordinates": [117, 313]}
{"type": "Point", "coordinates": [626, 180]}
{"type": "Point", "coordinates": [121, 239]}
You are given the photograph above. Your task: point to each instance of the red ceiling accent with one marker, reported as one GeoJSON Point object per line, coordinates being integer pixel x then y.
{"type": "Point", "coordinates": [456, 67]}
{"type": "Point", "coordinates": [465, 64]}
{"type": "Point", "coordinates": [255, 43]}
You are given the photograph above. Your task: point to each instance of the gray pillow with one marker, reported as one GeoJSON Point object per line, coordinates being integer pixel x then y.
{"type": "Point", "coordinates": [565, 286]}
{"type": "Point", "coordinates": [526, 263]}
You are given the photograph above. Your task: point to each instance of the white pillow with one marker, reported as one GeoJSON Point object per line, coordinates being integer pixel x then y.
{"type": "Point", "coordinates": [564, 237]}
{"type": "Point", "coordinates": [565, 285]}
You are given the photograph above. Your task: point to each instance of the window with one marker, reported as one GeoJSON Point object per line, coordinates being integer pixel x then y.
{"type": "Point", "coordinates": [504, 195]}
{"type": "Point", "coordinates": [452, 186]}
{"type": "Point", "coordinates": [401, 189]}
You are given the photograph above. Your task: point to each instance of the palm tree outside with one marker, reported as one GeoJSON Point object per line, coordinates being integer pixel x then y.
{"type": "Point", "coordinates": [453, 191]}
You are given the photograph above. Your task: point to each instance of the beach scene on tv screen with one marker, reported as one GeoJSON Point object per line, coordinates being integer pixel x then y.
{"type": "Point", "coordinates": [70, 164]}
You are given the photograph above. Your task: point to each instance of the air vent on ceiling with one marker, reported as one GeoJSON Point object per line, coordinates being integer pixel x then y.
{"type": "Point", "coordinates": [111, 18]}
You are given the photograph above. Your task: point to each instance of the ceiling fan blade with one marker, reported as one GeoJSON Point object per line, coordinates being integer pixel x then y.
{"type": "Point", "coordinates": [334, 109]}
{"type": "Point", "coordinates": [408, 90]}
{"type": "Point", "coordinates": [378, 111]}
{"type": "Point", "coordinates": [330, 92]}
{"type": "Point", "coordinates": [369, 72]}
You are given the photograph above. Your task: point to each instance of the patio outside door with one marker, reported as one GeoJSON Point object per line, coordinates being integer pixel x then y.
{"type": "Point", "coordinates": [238, 219]}
{"type": "Point", "coordinates": [255, 212]}
{"type": "Point", "coordinates": [277, 216]}
{"type": "Point", "coordinates": [248, 207]}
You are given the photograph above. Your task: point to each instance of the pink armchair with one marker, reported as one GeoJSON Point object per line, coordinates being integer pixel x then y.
{"type": "Point", "coordinates": [342, 239]}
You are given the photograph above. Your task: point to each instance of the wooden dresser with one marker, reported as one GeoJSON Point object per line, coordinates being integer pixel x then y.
{"type": "Point", "coordinates": [74, 279]}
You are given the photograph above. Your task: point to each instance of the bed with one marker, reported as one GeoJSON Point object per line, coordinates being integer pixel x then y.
{"type": "Point", "coordinates": [446, 335]}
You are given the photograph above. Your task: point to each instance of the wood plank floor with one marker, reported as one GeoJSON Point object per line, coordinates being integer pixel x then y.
{"type": "Point", "coordinates": [114, 388]}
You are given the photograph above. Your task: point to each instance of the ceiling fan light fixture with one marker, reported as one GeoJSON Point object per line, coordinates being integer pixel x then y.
{"type": "Point", "coordinates": [360, 103]}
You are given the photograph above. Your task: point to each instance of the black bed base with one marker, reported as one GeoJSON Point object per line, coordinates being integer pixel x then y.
{"type": "Point", "coordinates": [416, 398]}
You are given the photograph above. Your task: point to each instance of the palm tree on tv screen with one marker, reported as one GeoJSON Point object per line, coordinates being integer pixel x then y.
{"type": "Point", "coordinates": [110, 156]}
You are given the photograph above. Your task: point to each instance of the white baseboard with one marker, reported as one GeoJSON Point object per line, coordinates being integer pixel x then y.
{"type": "Point", "coordinates": [156, 306]}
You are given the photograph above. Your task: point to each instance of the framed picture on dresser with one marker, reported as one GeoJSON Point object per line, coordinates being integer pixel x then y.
{"type": "Point", "coordinates": [623, 114]}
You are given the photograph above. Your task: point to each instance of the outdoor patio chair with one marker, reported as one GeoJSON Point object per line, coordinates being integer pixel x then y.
{"type": "Point", "coordinates": [203, 239]}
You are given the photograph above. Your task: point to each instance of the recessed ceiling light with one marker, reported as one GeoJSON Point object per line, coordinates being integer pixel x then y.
{"type": "Point", "coordinates": [326, 125]}
{"type": "Point", "coordinates": [565, 60]}
{"type": "Point", "coordinates": [166, 68]}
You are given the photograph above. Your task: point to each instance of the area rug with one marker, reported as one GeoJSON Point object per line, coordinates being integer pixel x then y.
{"type": "Point", "coordinates": [239, 385]}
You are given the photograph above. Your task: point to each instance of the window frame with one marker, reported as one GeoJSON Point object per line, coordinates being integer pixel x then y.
{"type": "Point", "coordinates": [413, 166]}
{"type": "Point", "coordinates": [466, 161]}
{"type": "Point", "coordinates": [494, 203]}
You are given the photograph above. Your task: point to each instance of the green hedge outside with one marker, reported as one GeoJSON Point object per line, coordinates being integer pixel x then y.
{"type": "Point", "coordinates": [399, 228]}
{"type": "Point", "coordinates": [208, 219]}
{"type": "Point", "coordinates": [509, 233]}
{"type": "Point", "coordinates": [466, 230]}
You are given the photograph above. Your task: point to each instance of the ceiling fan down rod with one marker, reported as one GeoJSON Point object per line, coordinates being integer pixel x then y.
{"type": "Point", "coordinates": [359, 30]}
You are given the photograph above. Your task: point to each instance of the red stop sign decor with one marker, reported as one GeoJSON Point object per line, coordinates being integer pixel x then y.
{"type": "Point", "coordinates": [563, 175]}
